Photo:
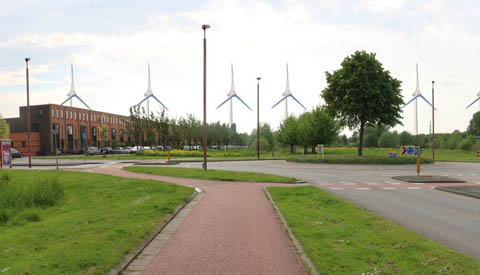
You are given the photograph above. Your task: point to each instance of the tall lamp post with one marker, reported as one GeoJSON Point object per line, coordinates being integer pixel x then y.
{"type": "Point", "coordinates": [205, 27]}
{"type": "Point", "coordinates": [433, 121]}
{"type": "Point", "coordinates": [28, 118]}
{"type": "Point", "coordinates": [258, 117]}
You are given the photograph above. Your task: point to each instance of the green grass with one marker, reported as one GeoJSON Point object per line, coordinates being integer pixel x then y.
{"type": "Point", "coordinates": [97, 221]}
{"type": "Point", "coordinates": [181, 172]}
{"type": "Point", "coordinates": [352, 159]}
{"type": "Point", "coordinates": [340, 237]}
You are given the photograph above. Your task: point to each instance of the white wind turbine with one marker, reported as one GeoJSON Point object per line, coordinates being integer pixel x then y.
{"type": "Point", "coordinates": [416, 95]}
{"type": "Point", "coordinates": [72, 92]}
{"type": "Point", "coordinates": [285, 95]}
{"type": "Point", "coordinates": [478, 98]}
{"type": "Point", "coordinates": [232, 94]}
{"type": "Point", "coordinates": [148, 94]}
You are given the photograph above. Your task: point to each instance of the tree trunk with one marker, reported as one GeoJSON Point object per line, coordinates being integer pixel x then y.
{"type": "Point", "coordinates": [291, 148]}
{"type": "Point", "coordinates": [360, 139]}
{"type": "Point", "coordinates": [304, 149]}
{"type": "Point", "coordinates": [313, 149]}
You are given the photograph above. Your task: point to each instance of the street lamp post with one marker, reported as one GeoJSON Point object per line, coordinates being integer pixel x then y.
{"type": "Point", "coordinates": [28, 117]}
{"type": "Point", "coordinates": [205, 27]}
{"type": "Point", "coordinates": [433, 121]}
{"type": "Point", "coordinates": [258, 117]}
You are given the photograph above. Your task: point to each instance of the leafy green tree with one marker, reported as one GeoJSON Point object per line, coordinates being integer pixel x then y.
{"type": "Point", "coordinates": [134, 125]}
{"type": "Point", "coordinates": [406, 138]}
{"type": "Point", "coordinates": [287, 132]}
{"type": "Point", "coordinates": [387, 140]}
{"type": "Point", "coordinates": [474, 126]}
{"type": "Point", "coordinates": [4, 128]}
{"type": "Point", "coordinates": [362, 93]}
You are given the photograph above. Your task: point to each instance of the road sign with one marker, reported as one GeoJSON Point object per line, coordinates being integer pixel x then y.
{"type": "Point", "coordinates": [411, 150]}
{"type": "Point", "coordinates": [392, 154]}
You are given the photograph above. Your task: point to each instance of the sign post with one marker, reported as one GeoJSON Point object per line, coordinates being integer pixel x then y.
{"type": "Point", "coordinates": [5, 153]}
{"type": "Point", "coordinates": [84, 137]}
{"type": "Point", "coordinates": [56, 146]}
{"type": "Point", "coordinates": [169, 156]}
{"type": "Point", "coordinates": [418, 151]}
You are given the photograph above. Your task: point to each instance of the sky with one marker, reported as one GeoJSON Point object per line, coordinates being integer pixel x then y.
{"type": "Point", "coordinates": [110, 43]}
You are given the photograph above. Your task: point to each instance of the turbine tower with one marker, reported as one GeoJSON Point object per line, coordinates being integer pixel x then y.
{"type": "Point", "coordinates": [417, 94]}
{"type": "Point", "coordinates": [478, 98]}
{"type": "Point", "coordinates": [148, 94]}
{"type": "Point", "coordinates": [285, 95]}
{"type": "Point", "coordinates": [72, 93]}
{"type": "Point", "coordinates": [232, 94]}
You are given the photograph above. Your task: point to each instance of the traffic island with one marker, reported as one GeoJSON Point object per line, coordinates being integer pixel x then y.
{"type": "Point", "coordinates": [428, 179]}
{"type": "Point", "coordinates": [469, 191]}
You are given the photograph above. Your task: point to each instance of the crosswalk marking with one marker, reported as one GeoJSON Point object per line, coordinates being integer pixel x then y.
{"type": "Point", "coordinates": [372, 183]}
{"type": "Point", "coordinates": [336, 188]}
{"type": "Point", "coordinates": [388, 188]}
{"type": "Point", "coordinates": [417, 182]}
{"type": "Point", "coordinates": [362, 188]}
{"type": "Point", "coordinates": [413, 188]}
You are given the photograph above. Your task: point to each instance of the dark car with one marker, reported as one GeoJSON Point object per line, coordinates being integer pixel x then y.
{"type": "Point", "coordinates": [16, 154]}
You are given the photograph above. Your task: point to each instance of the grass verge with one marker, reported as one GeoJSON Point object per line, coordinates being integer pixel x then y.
{"type": "Point", "coordinates": [181, 172]}
{"type": "Point", "coordinates": [340, 237]}
{"type": "Point", "coordinates": [94, 224]}
{"type": "Point", "coordinates": [352, 159]}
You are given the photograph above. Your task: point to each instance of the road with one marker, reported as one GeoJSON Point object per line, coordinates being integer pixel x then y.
{"type": "Point", "coordinates": [449, 219]}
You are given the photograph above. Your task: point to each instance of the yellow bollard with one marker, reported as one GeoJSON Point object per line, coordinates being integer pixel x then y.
{"type": "Point", "coordinates": [168, 156]}
{"type": "Point", "coordinates": [418, 165]}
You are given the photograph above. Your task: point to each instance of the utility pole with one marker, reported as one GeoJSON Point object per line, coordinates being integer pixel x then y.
{"type": "Point", "coordinates": [433, 121]}
{"type": "Point", "coordinates": [205, 27]}
{"type": "Point", "coordinates": [28, 119]}
{"type": "Point", "coordinates": [258, 117]}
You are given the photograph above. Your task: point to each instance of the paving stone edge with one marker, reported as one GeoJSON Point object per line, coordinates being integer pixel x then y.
{"type": "Point", "coordinates": [306, 260]}
{"type": "Point", "coordinates": [130, 257]}
{"type": "Point", "coordinates": [458, 192]}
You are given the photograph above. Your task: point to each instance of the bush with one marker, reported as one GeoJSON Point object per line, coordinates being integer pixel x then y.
{"type": "Point", "coordinates": [353, 159]}
{"type": "Point", "coordinates": [468, 143]}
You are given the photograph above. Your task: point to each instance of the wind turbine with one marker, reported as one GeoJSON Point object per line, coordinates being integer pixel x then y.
{"type": "Point", "coordinates": [148, 94]}
{"type": "Point", "coordinates": [478, 98]}
{"type": "Point", "coordinates": [287, 94]}
{"type": "Point", "coordinates": [72, 92]}
{"type": "Point", "coordinates": [416, 95]}
{"type": "Point", "coordinates": [232, 94]}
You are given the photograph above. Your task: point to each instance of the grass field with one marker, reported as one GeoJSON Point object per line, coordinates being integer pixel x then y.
{"type": "Point", "coordinates": [340, 237]}
{"type": "Point", "coordinates": [346, 152]}
{"type": "Point", "coordinates": [181, 172]}
{"type": "Point", "coordinates": [88, 229]}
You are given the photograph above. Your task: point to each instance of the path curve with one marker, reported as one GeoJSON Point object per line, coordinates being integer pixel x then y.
{"type": "Point", "coordinates": [232, 230]}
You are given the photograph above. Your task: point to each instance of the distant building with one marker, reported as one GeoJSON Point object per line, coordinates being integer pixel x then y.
{"type": "Point", "coordinates": [77, 128]}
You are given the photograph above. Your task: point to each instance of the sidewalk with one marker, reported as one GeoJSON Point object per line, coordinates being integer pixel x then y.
{"type": "Point", "coordinates": [232, 230]}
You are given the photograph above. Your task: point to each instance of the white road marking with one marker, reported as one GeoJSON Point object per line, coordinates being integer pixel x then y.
{"type": "Point", "coordinates": [336, 188]}
{"type": "Point", "coordinates": [444, 175]}
{"type": "Point", "coordinates": [417, 182]}
{"type": "Point", "coordinates": [372, 183]}
{"type": "Point", "coordinates": [324, 184]}
{"type": "Point", "coordinates": [414, 188]}
{"type": "Point", "coordinates": [478, 182]}
{"type": "Point", "coordinates": [198, 190]}
{"type": "Point", "coordinates": [362, 188]}
{"type": "Point", "coordinates": [349, 183]}
{"type": "Point", "coordinates": [474, 175]}
{"type": "Point", "coordinates": [388, 188]}
{"type": "Point", "coordinates": [395, 183]}
{"type": "Point", "coordinates": [460, 175]}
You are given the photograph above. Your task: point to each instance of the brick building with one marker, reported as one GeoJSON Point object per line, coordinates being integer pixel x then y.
{"type": "Point", "coordinates": [77, 128]}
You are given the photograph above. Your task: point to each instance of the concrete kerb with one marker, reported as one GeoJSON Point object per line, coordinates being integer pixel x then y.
{"type": "Point", "coordinates": [306, 260]}
{"type": "Point", "coordinates": [454, 190]}
{"type": "Point", "coordinates": [132, 256]}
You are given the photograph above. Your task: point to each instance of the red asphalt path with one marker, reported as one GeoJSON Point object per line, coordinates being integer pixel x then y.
{"type": "Point", "coordinates": [232, 230]}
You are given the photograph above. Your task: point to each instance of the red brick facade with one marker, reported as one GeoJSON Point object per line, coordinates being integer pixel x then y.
{"type": "Point", "coordinates": [78, 128]}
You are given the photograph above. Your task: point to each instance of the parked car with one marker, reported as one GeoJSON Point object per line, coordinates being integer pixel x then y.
{"type": "Point", "coordinates": [16, 154]}
{"type": "Point", "coordinates": [106, 150]}
{"type": "Point", "coordinates": [131, 150]}
{"type": "Point", "coordinates": [93, 151]}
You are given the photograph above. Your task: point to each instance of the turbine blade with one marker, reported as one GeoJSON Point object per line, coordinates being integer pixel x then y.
{"type": "Point", "coordinates": [228, 98]}
{"type": "Point", "coordinates": [142, 101]}
{"type": "Point", "coordinates": [81, 101]}
{"type": "Point", "coordinates": [288, 80]}
{"type": "Point", "coordinates": [411, 100]}
{"type": "Point", "coordinates": [426, 100]}
{"type": "Point", "coordinates": [149, 82]}
{"type": "Point", "coordinates": [67, 99]}
{"type": "Point", "coordinates": [242, 101]}
{"type": "Point", "coordinates": [233, 84]}
{"type": "Point", "coordinates": [478, 98]}
{"type": "Point", "coordinates": [297, 101]}
{"type": "Point", "coordinates": [285, 97]}
{"type": "Point", "coordinates": [418, 81]}
{"type": "Point", "coordinates": [165, 107]}
{"type": "Point", "coordinates": [72, 87]}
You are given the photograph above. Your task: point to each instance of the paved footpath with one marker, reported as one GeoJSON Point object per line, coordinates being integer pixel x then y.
{"type": "Point", "coordinates": [232, 230]}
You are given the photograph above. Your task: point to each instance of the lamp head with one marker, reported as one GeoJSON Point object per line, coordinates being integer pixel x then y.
{"type": "Point", "coordinates": [27, 59]}
{"type": "Point", "coordinates": [258, 78]}
{"type": "Point", "coordinates": [204, 27]}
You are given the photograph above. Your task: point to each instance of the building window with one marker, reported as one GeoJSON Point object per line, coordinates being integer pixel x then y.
{"type": "Point", "coordinates": [75, 115]}
{"type": "Point", "coordinates": [70, 138]}
{"type": "Point", "coordinates": [61, 113]}
{"type": "Point", "coordinates": [40, 112]}
{"type": "Point", "coordinates": [57, 113]}
{"type": "Point", "coordinates": [34, 127]}
{"type": "Point", "coordinates": [53, 113]}
{"type": "Point", "coordinates": [114, 134]}
{"type": "Point", "coordinates": [71, 115]}
{"type": "Point", "coordinates": [87, 117]}
{"type": "Point", "coordinates": [121, 135]}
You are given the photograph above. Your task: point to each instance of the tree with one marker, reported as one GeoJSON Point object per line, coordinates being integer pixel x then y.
{"type": "Point", "coordinates": [361, 93]}
{"type": "Point", "coordinates": [317, 127]}
{"type": "Point", "coordinates": [387, 140]}
{"type": "Point", "coordinates": [4, 128]}
{"type": "Point", "coordinates": [405, 138]}
{"type": "Point", "coordinates": [474, 126]}
{"type": "Point", "coordinates": [287, 132]}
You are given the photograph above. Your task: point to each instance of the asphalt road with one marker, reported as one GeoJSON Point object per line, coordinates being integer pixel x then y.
{"type": "Point", "coordinates": [449, 219]}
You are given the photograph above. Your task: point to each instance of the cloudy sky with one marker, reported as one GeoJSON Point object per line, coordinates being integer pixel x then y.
{"type": "Point", "coordinates": [110, 43]}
